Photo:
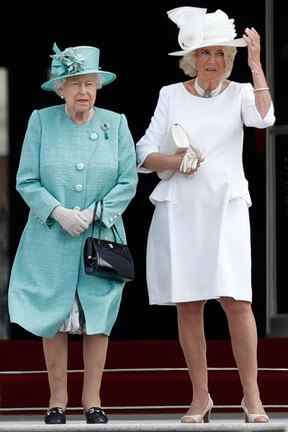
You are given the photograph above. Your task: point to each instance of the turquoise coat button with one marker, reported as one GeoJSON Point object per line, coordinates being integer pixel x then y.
{"type": "Point", "coordinates": [93, 136]}
{"type": "Point", "coordinates": [80, 166]}
{"type": "Point", "coordinates": [78, 187]}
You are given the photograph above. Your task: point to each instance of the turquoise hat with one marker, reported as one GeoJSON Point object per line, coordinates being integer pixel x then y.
{"type": "Point", "coordinates": [73, 61]}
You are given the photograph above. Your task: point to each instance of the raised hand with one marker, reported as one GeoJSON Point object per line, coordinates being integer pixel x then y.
{"type": "Point", "coordinates": [254, 47]}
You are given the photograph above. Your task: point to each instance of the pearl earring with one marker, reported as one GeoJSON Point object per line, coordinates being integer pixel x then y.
{"type": "Point", "coordinates": [62, 97]}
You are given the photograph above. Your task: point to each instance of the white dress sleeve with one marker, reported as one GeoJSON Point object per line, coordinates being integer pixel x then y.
{"type": "Point", "coordinates": [249, 112]}
{"type": "Point", "coordinates": [155, 133]}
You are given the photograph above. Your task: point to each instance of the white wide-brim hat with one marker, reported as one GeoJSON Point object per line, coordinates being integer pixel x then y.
{"type": "Point", "coordinates": [198, 29]}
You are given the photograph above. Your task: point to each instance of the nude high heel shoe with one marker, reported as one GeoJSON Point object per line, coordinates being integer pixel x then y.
{"type": "Point", "coordinates": [204, 417]}
{"type": "Point", "coordinates": [253, 418]}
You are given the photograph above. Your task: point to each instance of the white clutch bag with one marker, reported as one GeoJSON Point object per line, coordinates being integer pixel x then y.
{"type": "Point", "coordinates": [179, 141]}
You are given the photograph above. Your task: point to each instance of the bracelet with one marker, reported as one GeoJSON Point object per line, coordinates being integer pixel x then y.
{"type": "Point", "coordinates": [261, 89]}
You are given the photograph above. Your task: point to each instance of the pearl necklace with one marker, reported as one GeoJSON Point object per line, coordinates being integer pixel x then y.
{"type": "Point", "coordinates": [207, 93]}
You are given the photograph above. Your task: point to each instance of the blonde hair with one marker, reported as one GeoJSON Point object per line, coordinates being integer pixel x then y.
{"type": "Point", "coordinates": [188, 62]}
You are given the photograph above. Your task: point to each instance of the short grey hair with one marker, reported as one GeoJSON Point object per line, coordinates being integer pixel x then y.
{"type": "Point", "coordinates": [188, 62]}
{"type": "Point", "coordinates": [59, 83]}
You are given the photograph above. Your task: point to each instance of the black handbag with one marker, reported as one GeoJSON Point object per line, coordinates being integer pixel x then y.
{"type": "Point", "coordinates": [105, 258]}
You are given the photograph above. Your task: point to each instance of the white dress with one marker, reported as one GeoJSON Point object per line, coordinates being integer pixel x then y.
{"type": "Point", "coordinates": [199, 239]}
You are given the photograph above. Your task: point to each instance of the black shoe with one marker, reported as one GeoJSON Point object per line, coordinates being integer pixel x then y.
{"type": "Point", "coordinates": [55, 415]}
{"type": "Point", "coordinates": [95, 415]}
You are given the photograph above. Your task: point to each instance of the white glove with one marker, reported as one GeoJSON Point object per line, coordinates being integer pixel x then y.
{"type": "Point", "coordinates": [88, 214]}
{"type": "Point", "coordinates": [190, 161]}
{"type": "Point", "coordinates": [72, 221]}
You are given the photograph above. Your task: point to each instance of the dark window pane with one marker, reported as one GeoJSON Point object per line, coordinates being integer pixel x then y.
{"type": "Point", "coordinates": [282, 220]}
{"type": "Point", "coordinates": [281, 60]}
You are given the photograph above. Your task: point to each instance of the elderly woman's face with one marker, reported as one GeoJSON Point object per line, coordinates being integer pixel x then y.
{"type": "Point", "coordinates": [80, 92]}
{"type": "Point", "coordinates": [210, 63]}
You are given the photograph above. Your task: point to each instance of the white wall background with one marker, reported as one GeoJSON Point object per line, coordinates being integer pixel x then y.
{"type": "Point", "coordinates": [3, 113]}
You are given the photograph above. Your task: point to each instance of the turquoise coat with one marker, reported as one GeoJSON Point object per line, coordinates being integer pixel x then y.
{"type": "Point", "coordinates": [74, 166]}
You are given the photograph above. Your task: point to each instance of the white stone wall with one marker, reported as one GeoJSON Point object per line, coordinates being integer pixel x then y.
{"type": "Point", "coordinates": [3, 112]}
{"type": "Point", "coordinates": [4, 208]}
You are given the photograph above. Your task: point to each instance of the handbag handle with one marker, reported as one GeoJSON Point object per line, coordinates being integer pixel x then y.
{"type": "Point", "coordinates": [114, 229]}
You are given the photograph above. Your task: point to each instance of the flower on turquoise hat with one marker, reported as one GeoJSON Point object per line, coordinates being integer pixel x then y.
{"type": "Point", "coordinates": [67, 61]}
{"type": "Point", "coordinates": [79, 60]}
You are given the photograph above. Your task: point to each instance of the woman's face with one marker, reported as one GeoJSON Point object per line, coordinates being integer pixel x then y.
{"type": "Point", "coordinates": [79, 92]}
{"type": "Point", "coordinates": [210, 63]}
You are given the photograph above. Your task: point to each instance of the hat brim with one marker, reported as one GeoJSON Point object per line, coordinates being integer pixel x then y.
{"type": "Point", "coordinates": [106, 78]}
{"type": "Point", "coordinates": [240, 42]}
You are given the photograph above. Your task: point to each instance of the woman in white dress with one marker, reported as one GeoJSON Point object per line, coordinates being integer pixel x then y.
{"type": "Point", "coordinates": [199, 239]}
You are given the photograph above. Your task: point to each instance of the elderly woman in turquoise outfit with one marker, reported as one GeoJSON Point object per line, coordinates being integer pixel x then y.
{"type": "Point", "coordinates": [74, 155]}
